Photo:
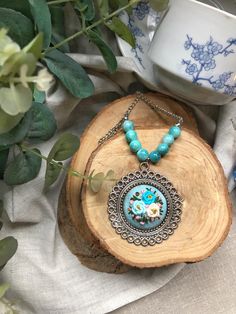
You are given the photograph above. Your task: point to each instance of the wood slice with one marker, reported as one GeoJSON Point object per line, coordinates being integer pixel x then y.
{"type": "Point", "coordinates": [194, 170]}
{"type": "Point", "coordinates": [89, 255]}
{"type": "Point", "coordinates": [71, 212]}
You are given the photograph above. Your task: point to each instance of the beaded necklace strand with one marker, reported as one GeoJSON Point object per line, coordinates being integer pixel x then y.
{"type": "Point", "coordinates": [142, 154]}
{"type": "Point", "coordinates": [167, 140]}
{"type": "Point", "coordinates": [144, 207]}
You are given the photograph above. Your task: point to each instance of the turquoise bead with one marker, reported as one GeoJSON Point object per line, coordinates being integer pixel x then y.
{"type": "Point", "coordinates": [154, 157]}
{"type": "Point", "coordinates": [175, 131]}
{"type": "Point", "coordinates": [135, 146]}
{"type": "Point", "coordinates": [142, 154]}
{"type": "Point", "coordinates": [128, 125]}
{"type": "Point", "coordinates": [163, 149]}
{"type": "Point", "coordinates": [130, 136]}
{"type": "Point", "coordinates": [168, 139]}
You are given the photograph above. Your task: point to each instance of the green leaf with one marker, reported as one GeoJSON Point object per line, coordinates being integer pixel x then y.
{"type": "Point", "coordinates": [39, 96]}
{"type": "Point", "coordinates": [16, 99]}
{"type": "Point", "coordinates": [89, 12]}
{"type": "Point", "coordinates": [43, 124]}
{"type": "Point", "coordinates": [64, 148]}
{"type": "Point", "coordinates": [159, 5]}
{"type": "Point", "coordinates": [119, 3]}
{"type": "Point", "coordinates": [103, 6]}
{"type": "Point", "coordinates": [3, 289]}
{"type": "Point", "coordinates": [21, 6]}
{"type": "Point", "coordinates": [95, 183]}
{"type": "Point", "coordinates": [8, 122]}
{"type": "Point", "coordinates": [17, 134]}
{"type": "Point", "coordinates": [20, 27]}
{"type": "Point", "coordinates": [58, 27]}
{"type": "Point", "coordinates": [1, 208]}
{"type": "Point", "coordinates": [110, 174]}
{"type": "Point", "coordinates": [8, 247]}
{"type": "Point", "coordinates": [70, 73]}
{"type": "Point", "coordinates": [24, 168]}
{"type": "Point", "coordinates": [118, 27]}
{"type": "Point", "coordinates": [105, 50]}
{"type": "Point", "coordinates": [116, 4]}
{"type": "Point", "coordinates": [15, 62]}
{"type": "Point", "coordinates": [52, 173]}
{"type": "Point", "coordinates": [35, 46]}
{"type": "Point", "coordinates": [3, 161]}
{"type": "Point", "coordinates": [42, 19]}
{"type": "Point", "coordinates": [1, 213]}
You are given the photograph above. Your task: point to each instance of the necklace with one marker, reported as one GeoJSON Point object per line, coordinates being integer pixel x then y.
{"type": "Point", "coordinates": [144, 207]}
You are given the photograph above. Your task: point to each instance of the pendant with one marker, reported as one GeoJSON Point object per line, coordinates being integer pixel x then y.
{"type": "Point", "coordinates": [144, 207]}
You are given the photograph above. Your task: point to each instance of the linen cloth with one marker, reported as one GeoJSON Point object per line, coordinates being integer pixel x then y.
{"type": "Point", "coordinates": [207, 287]}
{"type": "Point", "coordinates": [44, 276]}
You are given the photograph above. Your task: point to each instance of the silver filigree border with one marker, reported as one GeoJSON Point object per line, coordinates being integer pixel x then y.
{"type": "Point", "coordinates": [148, 236]}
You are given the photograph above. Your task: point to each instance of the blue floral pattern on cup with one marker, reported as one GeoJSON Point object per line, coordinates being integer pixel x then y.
{"type": "Point", "coordinates": [141, 10]}
{"type": "Point", "coordinates": [204, 60]}
{"type": "Point", "coordinates": [139, 13]}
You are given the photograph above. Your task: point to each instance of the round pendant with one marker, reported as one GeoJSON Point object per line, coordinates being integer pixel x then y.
{"type": "Point", "coordinates": [144, 207]}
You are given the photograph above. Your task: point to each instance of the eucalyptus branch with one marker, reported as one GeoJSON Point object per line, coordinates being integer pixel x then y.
{"type": "Point", "coordinates": [98, 22]}
{"type": "Point", "coordinates": [59, 1]}
{"type": "Point", "coordinates": [53, 162]}
{"type": "Point", "coordinates": [69, 170]}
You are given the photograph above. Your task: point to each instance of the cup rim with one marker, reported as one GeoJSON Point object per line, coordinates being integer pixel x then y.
{"type": "Point", "coordinates": [212, 8]}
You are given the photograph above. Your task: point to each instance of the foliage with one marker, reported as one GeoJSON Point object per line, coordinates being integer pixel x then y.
{"type": "Point", "coordinates": [63, 149]}
{"type": "Point", "coordinates": [17, 74]}
{"type": "Point", "coordinates": [8, 245]}
{"type": "Point", "coordinates": [159, 5]}
{"type": "Point", "coordinates": [5, 304]}
{"type": "Point", "coordinates": [32, 41]}
{"type": "Point", "coordinates": [21, 29]}
{"type": "Point", "coordinates": [96, 181]}
{"type": "Point", "coordinates": [72, 75]}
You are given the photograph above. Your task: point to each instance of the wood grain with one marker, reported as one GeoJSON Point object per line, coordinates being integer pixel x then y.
{"type": "Point", "coordinates": [105, 120]}
{"type": "Point", "coordinates": [194, 170]}
{"type": "Point", "coordinates": [71, 213]}
{"type": "Point", "coordinates": [90, 255]}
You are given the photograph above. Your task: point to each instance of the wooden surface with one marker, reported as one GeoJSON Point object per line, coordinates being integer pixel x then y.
{"type": "Point", "coordinates": [90, 254]}
{"type": "Point", "coordinates": [143, 117]}
{"type": "Point", "coordinates": [198, 177]}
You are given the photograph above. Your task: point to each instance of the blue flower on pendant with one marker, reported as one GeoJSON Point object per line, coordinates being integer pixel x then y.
{"type": "Point", "coordinates": [149, 197]}
{"type": "Point", "coordinates": [138, 208]}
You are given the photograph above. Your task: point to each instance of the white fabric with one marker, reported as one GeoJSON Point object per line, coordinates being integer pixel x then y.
{"type": "Point", "coordinates": [44, 276]}
{"type": "Point", "coordinates": [208, 287]}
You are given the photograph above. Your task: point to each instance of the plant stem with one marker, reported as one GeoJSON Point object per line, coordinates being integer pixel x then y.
{"type": "Point", "coordinates": [82, 31]}
{"type": "Point", "coordinates": [59, 1]}
{"type": "Point", "coordinates": [53, 162]}
{"type": "Point", "coordinates": [66, 169]}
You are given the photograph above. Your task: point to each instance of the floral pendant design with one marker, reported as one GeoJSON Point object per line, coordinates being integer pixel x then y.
{"type": "Point", "coordinates": [144, 207]}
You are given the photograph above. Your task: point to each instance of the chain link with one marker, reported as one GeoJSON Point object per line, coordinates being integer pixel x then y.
{"type": "Point", "coordinates": [113, 131]}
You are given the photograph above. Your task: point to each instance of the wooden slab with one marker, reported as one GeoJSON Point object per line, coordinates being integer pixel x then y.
{"type": "Point", "coordinates": [111, 114]}
{"type": "Point", "coordinates": [92, 256]}
{"type": "Point", "coordinates": [195, 172]}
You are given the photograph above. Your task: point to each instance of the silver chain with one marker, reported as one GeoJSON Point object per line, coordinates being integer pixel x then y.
{"type": "Point", "coordinates": [113, 131]}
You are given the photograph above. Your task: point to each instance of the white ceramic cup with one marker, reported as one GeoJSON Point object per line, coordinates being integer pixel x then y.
{"type": "Point", "coordinates": [194, 52]}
